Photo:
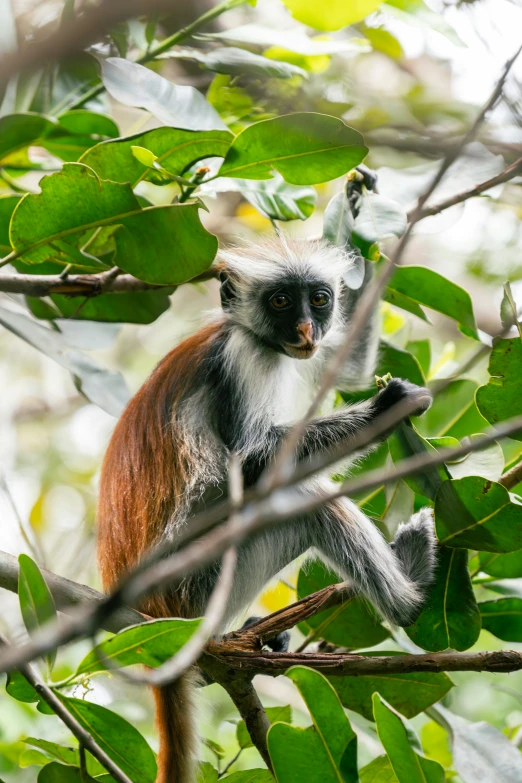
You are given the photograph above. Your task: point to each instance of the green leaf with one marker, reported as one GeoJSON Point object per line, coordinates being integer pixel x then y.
{"type": "Point", "coordinates": [274, 197]}
{"type": "Point", "coordinates": [150, 644]}
{"type": "Point", "coordinates": [82, 122]}
{"type": "Point", "coordinates": [237, 62]}
{"type": "Point", "coordinates": [400, 363]}
{"type": "Point", "coordinates": [7, 205]}
{"type": "Point", "coordinates": [332, 15]}
{"type": "Point", "coordinates": [292, 40]}
{"type": "Point", "coordinates": [180, 107]}
{"type": "Point", "coordinates": [378, 217]}
{"type": "Point", "coordinates": [509, 312]}
{"type": "Point", "coordinates": [481, 752]}
{"type": "Point", "coordinates": [353, 624]}
{"type": "Point", "coordinates": [450, 618]}
{"type": "Point", "coordinates": [476, 513]}
{"type": "Point", "coordinates": [406, 442]}
{"type": "Point", "coordinates": [175, 149]}
{"type": "Point", "coordinates": [66, 755]}
{"type": "Point", "coordinates": [20, 130]}
{"type": "Point", "coordinates": [142, 307]}
{"type": "Point", "coordinates": [403, 748]}
{"type": "Point", "coordinates": [274, 714]}
{"type": "Point", "coordinates": [428, 288]}
{"type": "Point", "coordinates": [57, 773]}
{"type": "Point", "coordinates": [54, 751]}
{"type": "Point", "coordinates": [118, 738]}
{"type": "Point", "coordinates": [421, 349]}
{"type": "Point", "coordinates": [500, 398]}
{"type": "Point", "coordinates": [206, 773]}
{"type": "Point", "coordinates": [503, 618]}
{"type": "Point", "coordinates": [36, 602]}
{"type": "Point", "coordinates": [504, 566]}
{"type": "Point", "coordinates": [379, 770]}
{"type": "Point", "coordinates": [404, 302]}
{"type": "Point", "coordinates": [453, 412]}
{"type": "Point", "coordinates": [18, 687]}
{"type": "Point", "coordinates": [325, 751]}
{"type": "Point", "coordinates": [104, 388]}
{"type": "Point", "coordinates": [144, 238]}
{"type": "Point", "coordinates": [306, 148]}
{"type": "Point", "coordinates": [409, 693]}
{"type": "Point", "coordinates": [383, 41]}
{"type": "Point", "coordinates": [487, 462]}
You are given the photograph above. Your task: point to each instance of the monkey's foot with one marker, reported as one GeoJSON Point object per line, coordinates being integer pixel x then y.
{"type": "Point", "coordinates": [416, 547]}
{"type": "Point", "coordinates": [279, 643]}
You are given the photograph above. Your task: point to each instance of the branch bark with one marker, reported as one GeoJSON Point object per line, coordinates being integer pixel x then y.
{"type": "Point", "coordinates": [353, 665]}
{"type": "Point", "coordinates": [512, 477]}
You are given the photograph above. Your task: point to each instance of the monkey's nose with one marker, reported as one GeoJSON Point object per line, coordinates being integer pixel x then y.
{"type": "Point", "coordinates": [305, 330]}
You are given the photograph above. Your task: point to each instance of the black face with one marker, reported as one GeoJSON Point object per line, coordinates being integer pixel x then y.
{"type": "Point", "coordinates": [296, 316]}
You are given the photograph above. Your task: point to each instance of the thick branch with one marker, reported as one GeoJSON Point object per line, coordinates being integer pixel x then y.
{"type": "Point", "coordinates": [508, 173]}
{"type": "Point", "coordinates": [82, 285]}
{"type": "Point", "coordinates": [68, 596]}
{"type": "Point", "coordinates": [81, 734]}
{"type": "Point", "coordinates": [353, 665]}
{"type": "Point", "coordinates": [512, 477]}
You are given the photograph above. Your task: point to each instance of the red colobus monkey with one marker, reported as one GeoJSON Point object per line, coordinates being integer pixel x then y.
{"type": "Point", "coordinates": [236, 386]}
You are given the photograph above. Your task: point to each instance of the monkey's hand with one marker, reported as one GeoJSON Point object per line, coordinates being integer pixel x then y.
{"type": "Point", "coordinates": [279, 643]}
{"type": "Point", "coordinates": [397, 390]}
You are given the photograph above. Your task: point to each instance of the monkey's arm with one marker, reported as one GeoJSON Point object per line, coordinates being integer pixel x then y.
{"type": "Point", "coordinates": [360, 367]}
{"type": "Point", "coordinates": [343, 424]}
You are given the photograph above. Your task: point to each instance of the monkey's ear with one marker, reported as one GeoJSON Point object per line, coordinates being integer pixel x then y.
{"type": "Point", "coordinates": [227, 291]}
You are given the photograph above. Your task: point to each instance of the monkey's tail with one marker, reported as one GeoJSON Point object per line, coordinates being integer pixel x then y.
{"type": "Point", "coordinates": [175, 721]}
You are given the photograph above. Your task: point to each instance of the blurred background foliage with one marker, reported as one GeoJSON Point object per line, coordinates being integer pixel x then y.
{"type": "Point", "coordinates": [410, 76]}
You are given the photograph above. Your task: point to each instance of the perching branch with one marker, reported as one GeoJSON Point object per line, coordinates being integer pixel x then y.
{"type": "Point", "coordinates": [255, 517]}
{"type": "Point", "coordinates": [508, 173]}
{"type": "Point", "coordinates": [241, 650]}
{"type": "Point", "coordinates": [354, 665]}
{"type": "Point", "coordinates": [82, 735]}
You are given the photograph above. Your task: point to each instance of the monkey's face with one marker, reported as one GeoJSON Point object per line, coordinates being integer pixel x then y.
{"type": "Point", "coordinates": [295, 315]}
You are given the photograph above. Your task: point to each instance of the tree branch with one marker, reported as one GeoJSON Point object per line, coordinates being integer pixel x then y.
{"type": "Point", "coordinates": [82, 735]}
{"type": "Point", "coordinates": [512, 477]}
{"type": "Point", "coordinates": [84, 285]}
{"type": "Point", "coordinates": [508, 173]}
{"type": "Point", "coordinates": [353, 665]}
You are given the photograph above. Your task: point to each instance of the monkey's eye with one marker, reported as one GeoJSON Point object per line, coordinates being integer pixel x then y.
{"type": "Point", "coordinates": [320, 299]}
{"type": "Point", "coordinates": [279, 301]}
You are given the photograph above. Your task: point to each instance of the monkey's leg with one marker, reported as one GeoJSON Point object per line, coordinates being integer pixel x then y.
{"type": "Point", "coordinates": [393, 578]}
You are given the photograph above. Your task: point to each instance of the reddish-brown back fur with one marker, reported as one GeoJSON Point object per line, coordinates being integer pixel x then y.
{"type": "Point", "coordinates": [143, 477]}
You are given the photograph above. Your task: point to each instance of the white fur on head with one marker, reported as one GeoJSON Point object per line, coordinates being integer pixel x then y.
{"type": "Point", "coordinates": [253, 263]}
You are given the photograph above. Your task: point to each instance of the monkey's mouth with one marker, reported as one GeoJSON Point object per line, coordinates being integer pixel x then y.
{"type": "Point", "coordinates": [305, 351]}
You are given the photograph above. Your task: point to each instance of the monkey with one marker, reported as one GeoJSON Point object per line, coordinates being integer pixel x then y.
{"type": "Point", "coordinates": [237, 386]}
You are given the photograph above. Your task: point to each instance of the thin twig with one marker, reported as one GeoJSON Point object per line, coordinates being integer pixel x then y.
{"type": "Point", "coordinates": [81, 734]}
{"type": "Point", "coordinates": [512, 477]}
{"type": "Point", "coordinates": [508, 173]}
